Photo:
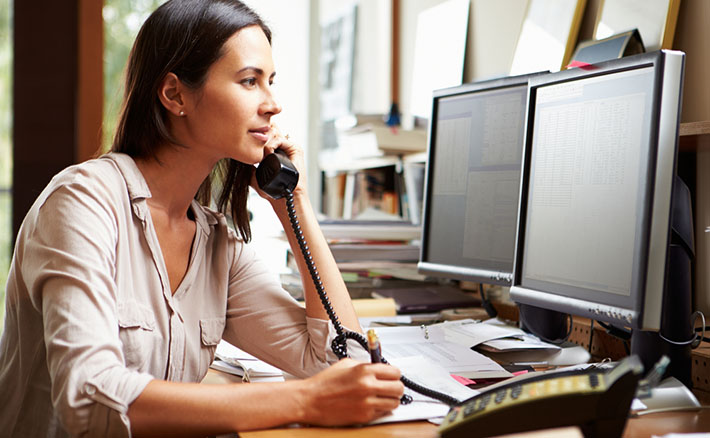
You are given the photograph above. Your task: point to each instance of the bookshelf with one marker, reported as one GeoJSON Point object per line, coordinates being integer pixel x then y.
{"type": "Point", "coordinates": [385, 186]}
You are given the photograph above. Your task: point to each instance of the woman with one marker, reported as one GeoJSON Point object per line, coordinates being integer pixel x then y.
{"type": "Point", "coordinates": [122, 283]}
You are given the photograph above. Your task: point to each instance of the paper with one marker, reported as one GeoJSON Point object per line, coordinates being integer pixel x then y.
{"type": "Point", "coordinates": [523, 342]}
{"type": "Point", "coordinates": [431, 375]}
{"type": "Point", "coordinates": [471, 333]}
{"type": "Point", "coordinates": [429, 342]}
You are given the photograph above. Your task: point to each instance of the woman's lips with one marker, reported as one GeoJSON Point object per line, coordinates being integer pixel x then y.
{"type": "Point", "coordinates": [260, 135]}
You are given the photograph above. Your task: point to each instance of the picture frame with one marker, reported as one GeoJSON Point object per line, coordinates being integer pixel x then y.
{"type": "Point", "coordinates": [655, 19]}
{"type": "Point", "coordinates": [548, 36]}
{"type": "Point", "coordinates": [337, 54]}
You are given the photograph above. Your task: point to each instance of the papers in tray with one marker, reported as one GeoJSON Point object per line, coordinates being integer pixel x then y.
{"type": "Point", "coordinates": [495, 336]}
{"type": "Point", "coordinates": [233, 360]}
{"type": "Point", "coordinates": [430, 342]}
{"type": "Point", "coordinates": [507, 344]}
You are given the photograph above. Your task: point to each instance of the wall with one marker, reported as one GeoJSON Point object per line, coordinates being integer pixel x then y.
{"type": "Point", "coordinates": [290, 46]}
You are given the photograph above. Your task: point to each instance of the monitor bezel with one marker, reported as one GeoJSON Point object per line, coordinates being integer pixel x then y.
{"type": "Point", "coordinates": [642, 310]}
{"type": "Point", "coordinates": [449, 271]}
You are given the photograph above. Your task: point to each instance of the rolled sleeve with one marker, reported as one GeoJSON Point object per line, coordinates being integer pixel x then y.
{"type": "Point", "coordinates": [69, 270]}
{"type": "Point", "coordinates": [108, 416]}
{"type": "Point", "coordinates": [263, 319]}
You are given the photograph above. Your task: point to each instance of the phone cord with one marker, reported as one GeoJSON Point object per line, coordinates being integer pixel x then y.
{"type": "Point", "coordinates": [339, 344]}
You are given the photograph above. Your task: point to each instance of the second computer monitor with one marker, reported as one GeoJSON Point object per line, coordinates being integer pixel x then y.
{"type": "Point", "coordinates": [473, 180]}
{"type": "Point", "coordinates": [597, 200]}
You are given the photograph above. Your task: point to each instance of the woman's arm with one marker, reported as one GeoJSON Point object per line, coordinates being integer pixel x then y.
{"type": "Point", "coordinates": [346, 393]}
{"type": "Point", "coordinates": [320, 252]}
{"type": "Point", "coordinates": [323, 260]}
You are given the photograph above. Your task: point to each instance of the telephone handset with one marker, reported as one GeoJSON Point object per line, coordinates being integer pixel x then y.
{"type": "Point", "coordinates": [596, 400]}
{"type": "Point", "coordinates": [277, 176]}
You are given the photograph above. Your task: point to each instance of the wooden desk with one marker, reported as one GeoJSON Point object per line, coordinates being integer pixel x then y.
{"type": "Point", "coordinates": [642, 427]}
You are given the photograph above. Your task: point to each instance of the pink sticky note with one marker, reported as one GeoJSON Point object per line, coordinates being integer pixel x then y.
{"type": "Point", "coordinates": [463, 380]}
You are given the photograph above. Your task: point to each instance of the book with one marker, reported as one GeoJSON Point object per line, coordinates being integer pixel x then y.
{"type": "Point", "coordinates": [233, 360]}
{"type": "Point", "coordinates": [375, 251]}
{"type": "Point", "coordinates": [429, 298]}
{"type": "Point", "coordinates": [387, 230]}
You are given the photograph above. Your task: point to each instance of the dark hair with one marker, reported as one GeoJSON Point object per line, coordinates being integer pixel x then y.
{"type": "Point", "coordinates": [184, 37]}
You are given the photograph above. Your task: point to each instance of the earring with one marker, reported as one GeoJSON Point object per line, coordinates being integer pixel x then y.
{"type": "Point", "coordinates": [182, 113]}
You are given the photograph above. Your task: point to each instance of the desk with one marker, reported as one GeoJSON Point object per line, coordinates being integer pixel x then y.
{"type": "Point", "coordinates": [642, 427]}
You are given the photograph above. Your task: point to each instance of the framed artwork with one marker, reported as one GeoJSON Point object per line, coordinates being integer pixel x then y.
{"type": "Point", "coordinates": [336, 61]}
{"type": "Point", "coordinates": [655, 20]}
{"type": "Point", "coordinates": [548, 36]}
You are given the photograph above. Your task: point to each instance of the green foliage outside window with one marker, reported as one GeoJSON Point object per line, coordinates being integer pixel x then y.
{"type": "Point", "coordinates": [122, 20]}
{"type": "Point", "coordinates": [5, 148]}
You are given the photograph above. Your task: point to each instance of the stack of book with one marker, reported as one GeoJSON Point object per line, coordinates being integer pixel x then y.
{"type": "Point", "coordinates": [361, 240]}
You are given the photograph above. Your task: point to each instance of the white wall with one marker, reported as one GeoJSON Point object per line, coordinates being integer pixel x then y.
{"type": "Point", "coordinates": [289, 23]}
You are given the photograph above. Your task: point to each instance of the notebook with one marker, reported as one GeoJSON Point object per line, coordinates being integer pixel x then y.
{"type": "Point", "coordinates": [431, 298]}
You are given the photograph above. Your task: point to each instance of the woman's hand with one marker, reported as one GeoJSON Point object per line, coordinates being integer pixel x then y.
{"type": "Point", "coordinates": [294, 154]}
{"type": "Point", "coordinates": [351, 392]}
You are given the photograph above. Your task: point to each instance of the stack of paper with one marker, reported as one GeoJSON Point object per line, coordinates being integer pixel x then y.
{"type": "Point", "coordinates": [430, 342]}
{"type": "Point", "coordinates": [233, 360]}
{"type": "Point", "coordinates": [507, 344]}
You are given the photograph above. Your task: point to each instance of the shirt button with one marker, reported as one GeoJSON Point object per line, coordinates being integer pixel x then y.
{"type": "Point", "coordinates": [90, 389]}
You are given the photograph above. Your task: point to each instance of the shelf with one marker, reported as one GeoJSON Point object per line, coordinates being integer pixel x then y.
{"type": "Point", "coordinates": [694, 128]}
{"type": "Point", "coordinates": [331, 163]}
{"type": "Point", "coordinates": [694, 136]}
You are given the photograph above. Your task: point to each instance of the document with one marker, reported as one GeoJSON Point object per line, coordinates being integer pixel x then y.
{"type": "Point", "coordinates": [471, 333]}
{"type": "Point", "coordinates": [429, 342]}
{"type": "Point", "coordinates": [431, 375]}
{"type": "Point", "coordinates": [494, 335]}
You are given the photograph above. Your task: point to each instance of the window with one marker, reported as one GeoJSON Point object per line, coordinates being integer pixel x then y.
{"type": "Point", "coordinates": [122, 20]}
{"type": "Point", "coordinates": [5, 148]}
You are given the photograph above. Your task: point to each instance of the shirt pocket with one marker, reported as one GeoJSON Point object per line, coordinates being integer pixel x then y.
{"type": "Point", "coordinates": [211, 330]}
{"type": "Point", "coordinates": [136, 324]}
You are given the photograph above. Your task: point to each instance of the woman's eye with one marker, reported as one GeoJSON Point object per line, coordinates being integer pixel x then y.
{"type": "Point", "coordinates": [249, 82]}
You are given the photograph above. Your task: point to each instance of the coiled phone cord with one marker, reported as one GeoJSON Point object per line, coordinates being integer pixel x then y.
{"type": "Point", "coordinates": [339, 344]}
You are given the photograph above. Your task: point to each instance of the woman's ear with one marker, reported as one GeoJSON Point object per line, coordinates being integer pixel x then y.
{"type": "Point", "coordinates": [171, 96]}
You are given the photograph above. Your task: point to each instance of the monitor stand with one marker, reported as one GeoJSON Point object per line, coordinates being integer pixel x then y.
{"type": "Point", "coordinates": [548, 325]}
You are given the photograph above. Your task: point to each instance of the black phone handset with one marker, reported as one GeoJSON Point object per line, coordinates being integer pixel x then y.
{"type": "Point", "coordinates": [277, 176]}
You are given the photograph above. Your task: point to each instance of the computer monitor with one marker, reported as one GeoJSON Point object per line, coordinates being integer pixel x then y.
{"type": "Point", "coordinates": [595, 228]}
{"type": "Point", "coordinates": [472, 181]}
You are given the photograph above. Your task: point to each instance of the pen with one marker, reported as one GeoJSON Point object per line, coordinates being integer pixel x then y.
{"type": "Point", "coordinates": [373, 344]}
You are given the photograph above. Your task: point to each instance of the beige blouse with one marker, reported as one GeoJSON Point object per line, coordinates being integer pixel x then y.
{"type": "Point", "coordinates": [91, 319]}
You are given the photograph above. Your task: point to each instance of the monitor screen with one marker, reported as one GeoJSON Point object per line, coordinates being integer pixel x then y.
{"type": "Point", "coordinates": [473, 180]}
{"type": "Point", "coordinates": [597, 189]}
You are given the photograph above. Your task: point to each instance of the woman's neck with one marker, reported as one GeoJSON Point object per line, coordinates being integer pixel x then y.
{"type": "Point", "coordinates": [173, 179]}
